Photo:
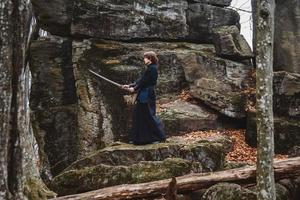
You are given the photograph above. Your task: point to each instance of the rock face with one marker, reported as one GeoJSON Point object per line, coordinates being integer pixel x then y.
{"type": "Point", "coordinates": [202, 18]}
{"type": "Point", "coordinates": [286, 133]}
{"type": "Point", "coordinates": [286, 113]}
{"type": "Point", "coordinates": [124, 164]}
{"type": "Point", "coordinates": [128, 20]}
{"type": "Point", "coordinates": [287, 36]}
{"type": "Point", "coordinates": [54, 16]}
{"type": "Point", "coordinates": [179, 116]}
{"type": "Point", "coordinates": [287, 94]}
{"type": "Point", "coordinates": [209, 154]}
{"type": "Point", "coordinates": [229, 43]}
{"type": "Point", "coordinates": [217, 82]}
{"type": "Point", "coordinates": [54, 102]}
{"type": "Point", "coordinates": [123, 20]}
{"type": "Point", "coordinates": [235, 192]}
{"type": "Point", "coordinates": [104, 175]}
{"type": "Point", "coordinates": [18, 146]}
{"type": "Point", "coordinates": [228, 191]}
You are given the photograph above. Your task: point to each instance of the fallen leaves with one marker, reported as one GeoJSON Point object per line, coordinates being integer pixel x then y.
{"type": "Point", "coordinates": [185, 96]}
{"type": "Point", "coordinates": [241, 151]}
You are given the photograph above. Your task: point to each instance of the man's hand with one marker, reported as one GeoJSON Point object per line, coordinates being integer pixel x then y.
{"type": "Point", "coordinates": [130, 89]}
{"type": "Point", "coordinates": [125, 87]}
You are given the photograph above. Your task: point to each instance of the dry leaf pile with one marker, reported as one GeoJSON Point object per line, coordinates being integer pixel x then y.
{"type": "Point", "coordinates": [241, 151]}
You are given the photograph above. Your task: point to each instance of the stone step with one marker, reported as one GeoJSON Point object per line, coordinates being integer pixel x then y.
{"type": "Point", "coordinates": [209, 153]}
{"type": "Point", "coordinates": [182, 117]}
{"type": "Point", "coordinates": [125, 163]}
{"type": "Point", "coordinates": [100, 176]}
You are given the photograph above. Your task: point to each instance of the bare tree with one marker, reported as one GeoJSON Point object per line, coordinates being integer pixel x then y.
{"type": "Point", "coordinates": [5, 94]}
{"type": "Point", "coordinates": [19, 175]}
{"type": "Point", "coordinates": [264, 37]}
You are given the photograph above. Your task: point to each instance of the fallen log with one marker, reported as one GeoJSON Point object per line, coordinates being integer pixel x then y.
{"type": "Point", "coordinates": [246, 175]}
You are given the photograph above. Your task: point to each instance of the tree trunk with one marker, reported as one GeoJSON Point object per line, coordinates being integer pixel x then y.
{"type": "Point", "coordinates": [5, 88]}
{"type": "Point", "coordinates": [185, 184]}
{"type": "Point", "coordinates": [264, 98]}
{"type": "Point", "coordinates": [18, 159]}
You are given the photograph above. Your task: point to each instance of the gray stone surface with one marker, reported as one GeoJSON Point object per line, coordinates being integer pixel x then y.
{"type": "Point", "coordinates": [100, 176]}
{"type": "Point", "coordinates": [125, 20]}
{"type": "Point", "coordinates": [180, 116]}
{"type": "Point", "coordinates": [203, 18]}
{"type": "Point", "coordinates": [287, 94]}
{"type": "Point", "coordinates": [54, 16]}
{"type": "Point", "coordinates": [228, 191]}
{"type": "Point", "coordinates": [286, 101]}
{"type": "Point", "coordinates": [287, 36]}
{"type": "Point", "coordinates": [210, 154]}
{"type": "Point", "coordinates": [229, 43]}
{"type": "Point", "coordinates": [286, 133]}
{"type": "Point", "coordinates": [214, 2]}
{"type": "Point", "coordinates": [217, 82]}
{"type": "Point", "coordinates": [134, 20]}
{"type": "Point", "coordinates": [53, 102]}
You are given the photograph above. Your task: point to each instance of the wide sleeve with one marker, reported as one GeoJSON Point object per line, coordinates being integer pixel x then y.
{"type": "Point", "coordinates": [144, 80]}
{"type": "Point", "coordinates": [135, 82]}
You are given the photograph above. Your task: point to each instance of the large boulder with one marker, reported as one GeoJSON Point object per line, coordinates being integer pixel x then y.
{"type": "Point", "coordinates": [203, 18]}
{"type": "Point", "coordinates": [125, 163]}
{"type": "Point", "coordinates": [53, 102]}
{"type": "Point", "coordinates": [180, 116]}
{"type": "Point", "coordinates": [100, 176]}
{"type": "Point", "coordinates": [54, 16]}
{"type": "Point", "coordinates": [287, 94]}
{"type": "Point", "coordinates": [210, 154]}
{"type": "Point", "coordinates": [286, 103]}
{"type": "Point", "coordinates": [135, 20]}
{"type": "Point", "coordinates": [124, 20]}
{"type": "Point", "coordinates": [217, 82]}
{"type": "Point", "coordinates": [229, 43]}
{"type": "Point", "coordinates": [228, 191]}
{"type": "Point", "coordinates": [231, 191]}
{"type": "Point", "coordinates": [287, 36]}
{"type": "Point", "coordinates": [286, 133]}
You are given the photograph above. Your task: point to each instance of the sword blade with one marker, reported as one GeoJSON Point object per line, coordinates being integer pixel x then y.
{"type": "Point", "coordinates": [106, 79]}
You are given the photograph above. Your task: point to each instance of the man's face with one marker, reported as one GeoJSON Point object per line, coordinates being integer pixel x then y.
{"type": "Point", "coordinates": [146, 60]}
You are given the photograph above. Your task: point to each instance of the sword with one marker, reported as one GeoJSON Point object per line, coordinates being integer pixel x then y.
{"type": "Point", "coordinates": [106, 79]}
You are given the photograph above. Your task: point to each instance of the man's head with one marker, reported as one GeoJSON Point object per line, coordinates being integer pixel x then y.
{"type": "Point", "coordinates": [150, 57]}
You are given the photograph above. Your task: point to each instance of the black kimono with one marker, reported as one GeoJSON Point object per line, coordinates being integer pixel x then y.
{"type": "Point", "coordinates": [146, 127]}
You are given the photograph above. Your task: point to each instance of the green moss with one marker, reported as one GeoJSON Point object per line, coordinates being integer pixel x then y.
{"type": "Point", "coordinates": [90, 178]}
{"type": "Point", "coordinates": [150, 171]}
{"type": "Point", "coordinates": [282, 193]}
{"type": "Point", "coordinates": [35, 189]}
{"type": "Point", "coordinates": [100, 176]}
{"type": "Point", "coordinates": [230, 191]}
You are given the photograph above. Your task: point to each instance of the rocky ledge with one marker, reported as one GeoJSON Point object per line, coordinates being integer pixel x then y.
{"type": "Point", "coordinates": [125, 163]}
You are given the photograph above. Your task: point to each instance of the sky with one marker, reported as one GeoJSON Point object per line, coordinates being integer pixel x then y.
{"type": "Point", "coordinates": [246, 19]}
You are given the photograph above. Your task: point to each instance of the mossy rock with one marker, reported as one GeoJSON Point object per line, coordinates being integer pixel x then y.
{"type": "Point", "coordinates": [181, 117]}
{"type": "Point", "coordinates": [228, 191]}
{"type": "Point", "coordinates": [209, 153]}
{"type": "Point", "coordinates": [35, 189]}
{"type": "Point", "coordinates": [100, 176]}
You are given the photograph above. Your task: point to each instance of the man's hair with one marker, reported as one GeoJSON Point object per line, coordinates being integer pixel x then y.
{"type": "Point", "coordinates": [151, 55]}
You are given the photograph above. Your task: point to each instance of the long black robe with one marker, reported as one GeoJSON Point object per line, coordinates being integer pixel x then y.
{"type": "Point", "coordinates": [146, 127]}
